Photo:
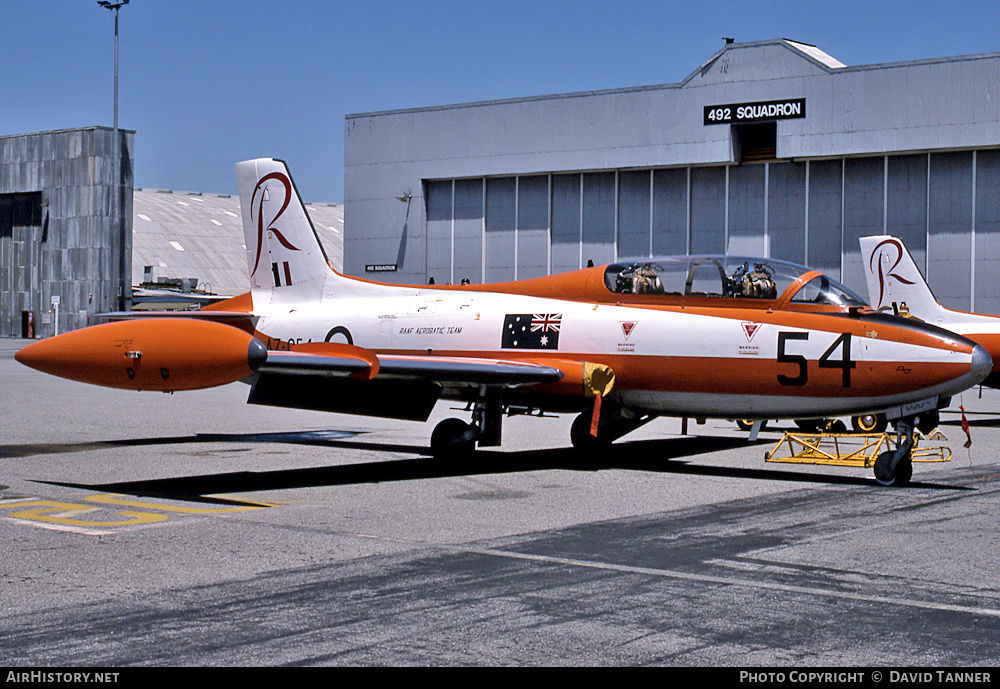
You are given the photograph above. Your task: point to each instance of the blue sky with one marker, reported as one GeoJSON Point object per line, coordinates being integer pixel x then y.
{"type": "Point", "coordinates": [206, 84]}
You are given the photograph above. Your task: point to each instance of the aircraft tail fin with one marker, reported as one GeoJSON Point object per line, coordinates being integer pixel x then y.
{"type": "Point", "coordinates": [283, 249]}
{"type": "Point", "coordinates": [894, 281]}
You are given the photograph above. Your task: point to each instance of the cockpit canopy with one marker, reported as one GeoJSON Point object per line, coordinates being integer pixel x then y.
{"type": "Point", "coordinates": [732, 277]}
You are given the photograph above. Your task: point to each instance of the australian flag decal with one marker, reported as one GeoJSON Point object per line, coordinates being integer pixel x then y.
{"type": "Point", "coordinates": [531, 331]}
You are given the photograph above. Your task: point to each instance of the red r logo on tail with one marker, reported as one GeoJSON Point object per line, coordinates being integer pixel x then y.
{"type": "Point", "coordinates": [261, 229]}
{"type": "Point", "coordinates": [882, 273]}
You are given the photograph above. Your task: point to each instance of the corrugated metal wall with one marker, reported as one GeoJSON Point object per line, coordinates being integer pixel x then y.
{"type": "Point", "coordinates": [72, 252]}
{"type": "Point", "coordinates": [809, 212]}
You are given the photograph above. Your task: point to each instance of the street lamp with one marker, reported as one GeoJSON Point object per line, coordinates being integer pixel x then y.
{"type": "Point", "coordinates": [125, 259]}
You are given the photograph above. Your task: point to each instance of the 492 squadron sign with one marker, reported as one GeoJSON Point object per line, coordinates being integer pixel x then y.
{"type": "Point", "coordinates": [763, 111]}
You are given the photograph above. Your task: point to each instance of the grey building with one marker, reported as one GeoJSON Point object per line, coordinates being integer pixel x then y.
{"type": "Point", "coordinates": [770, 148]}
{"type": "Point", "coordinates": [58, 239]}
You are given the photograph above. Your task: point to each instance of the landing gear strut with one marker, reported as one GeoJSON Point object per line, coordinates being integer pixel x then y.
{"type": "Point", "coordinates": [747, 424]}
{"type": "Point", "coordinates": [613, 424]}
{"type": "Point", "coordinates": [895, 467]}
{"type": "Point", "coordinates": [454, 438]}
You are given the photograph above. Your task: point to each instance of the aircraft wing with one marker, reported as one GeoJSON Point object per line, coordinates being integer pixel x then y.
{"type": "Point", "coordinates": [468, 370]}
{"type": "Point", "coordinates": [444, 370]}
{"type": "Point", "coordinates": [349, 379]}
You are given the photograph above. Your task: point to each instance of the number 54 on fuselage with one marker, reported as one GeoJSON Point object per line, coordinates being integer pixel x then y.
{"type": "Point", "coordinates": [702, 336]}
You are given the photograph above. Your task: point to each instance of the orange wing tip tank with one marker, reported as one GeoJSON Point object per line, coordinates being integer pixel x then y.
{"type": "Point", "coordinates": [153, 354]}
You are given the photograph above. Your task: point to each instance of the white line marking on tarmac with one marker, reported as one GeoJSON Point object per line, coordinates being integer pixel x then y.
{"type": "Point", "coordinates": [701, 578]}
{"type": "Point", "coordinates": [61, 527]}
{"type": "Point", "coordinates": [730, 581]}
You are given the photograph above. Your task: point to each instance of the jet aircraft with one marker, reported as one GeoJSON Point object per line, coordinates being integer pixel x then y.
{"type": "Point", "coordinates": [618, 344]}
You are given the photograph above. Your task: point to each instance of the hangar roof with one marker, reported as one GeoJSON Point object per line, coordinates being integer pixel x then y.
{"type": "Point", "coordinates": [797, 59]}
{"type": "Point", "coordinates": [193, 235]}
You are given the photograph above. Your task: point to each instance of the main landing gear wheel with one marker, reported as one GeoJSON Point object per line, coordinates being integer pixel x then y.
{"type": "Point", "coordinates": [453, 438]}
{"type": "Point", "coordinates": [884, 474]}
{"type": "Point", "coordinates": [579, 434]}
{"type": "Point", "coordinates": [928, 421]}
{"type": "Point", "coordinates": [747, 424]}
{"type": "Point", "coordinates": [869, 423]}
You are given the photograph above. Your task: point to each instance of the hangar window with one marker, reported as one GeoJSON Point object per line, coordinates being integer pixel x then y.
{"type": "Point", "coordinates": [19, 210]}
{"type": "Point", "coordinates": [755, 142]}
{"type": "Point", "coordinates": [6, 217]}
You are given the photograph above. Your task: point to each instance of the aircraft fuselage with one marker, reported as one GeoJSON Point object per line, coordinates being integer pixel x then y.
{"type": "Point", "coordinates": [667, 360]}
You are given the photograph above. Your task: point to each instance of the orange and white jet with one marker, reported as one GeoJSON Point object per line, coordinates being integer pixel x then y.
{"type": "Point", "coordinates": [701, 336]}
{"type": "Point", "coordinates": [896, 285]}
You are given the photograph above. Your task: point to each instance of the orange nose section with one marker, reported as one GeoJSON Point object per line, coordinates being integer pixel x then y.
{"type": "Point", "coordinates": [165, 354]}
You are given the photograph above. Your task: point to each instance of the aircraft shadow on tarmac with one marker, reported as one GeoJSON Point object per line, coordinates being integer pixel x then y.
{"type": "Point", "coordinates": [665, 456]}
{"type": "Point", "coordinates": [320, 437]}
{"type": "Point", "coordinates": [992, 422]}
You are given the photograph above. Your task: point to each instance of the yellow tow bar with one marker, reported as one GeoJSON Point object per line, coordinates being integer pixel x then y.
{"type": "Point", "coordinates": [851, 449]}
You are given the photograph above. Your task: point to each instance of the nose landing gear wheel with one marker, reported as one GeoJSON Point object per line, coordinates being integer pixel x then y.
{"type": "Point", "coordinates": [579, 435]}
{"type": "Point", "coordinates": [886, 476]}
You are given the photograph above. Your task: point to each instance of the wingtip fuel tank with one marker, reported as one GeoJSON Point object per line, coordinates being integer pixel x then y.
{"type": "Point", "coordinates": [153, 354]}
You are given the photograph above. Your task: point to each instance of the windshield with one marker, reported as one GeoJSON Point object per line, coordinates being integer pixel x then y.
{"type": "Point", "coordinates": [734, 277]}
{"type": "Point", "coordinates": [823, 290]}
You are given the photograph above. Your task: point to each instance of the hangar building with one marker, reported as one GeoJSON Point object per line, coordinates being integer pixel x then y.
{"type": "Point", "coordinates": [58, 239]}
{"type": "Point", "coordinates": [769, 148]}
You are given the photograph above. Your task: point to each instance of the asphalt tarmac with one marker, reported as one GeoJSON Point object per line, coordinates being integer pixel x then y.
{"type": "Point", "coordinates": [144, 529]}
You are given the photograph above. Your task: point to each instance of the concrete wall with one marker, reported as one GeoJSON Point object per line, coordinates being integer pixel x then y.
{"type": "Point", "coordinates": [72, 250]}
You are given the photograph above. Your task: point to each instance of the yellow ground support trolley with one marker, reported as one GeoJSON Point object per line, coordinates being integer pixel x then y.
{"type": "Point", "coordinates": [851, 449]}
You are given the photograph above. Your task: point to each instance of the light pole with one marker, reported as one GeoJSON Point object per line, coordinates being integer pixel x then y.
{"type": "Point", "coordinates": [125, 257]}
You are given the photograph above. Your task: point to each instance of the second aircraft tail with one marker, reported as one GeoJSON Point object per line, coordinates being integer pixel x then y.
{"type": "Point", "coordinates": [894, 281]}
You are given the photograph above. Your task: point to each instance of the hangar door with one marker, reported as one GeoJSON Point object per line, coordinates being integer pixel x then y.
{"type": "Point", "coordinates": [21, 237]}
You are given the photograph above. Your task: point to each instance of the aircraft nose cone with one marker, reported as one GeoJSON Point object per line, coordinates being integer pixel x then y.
{"type": "Point", "coordinates": [37, 355]}
{"type": "Point", "coordinates": [982, 362]}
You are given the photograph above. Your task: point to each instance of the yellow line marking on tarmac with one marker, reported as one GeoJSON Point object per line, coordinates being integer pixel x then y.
{"type": "Point", "coordinates": [69, 514]}
{"type": "Point", "coordinates": [111, 499]}
{"type": "Point", "coordinates": [68, 508]}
